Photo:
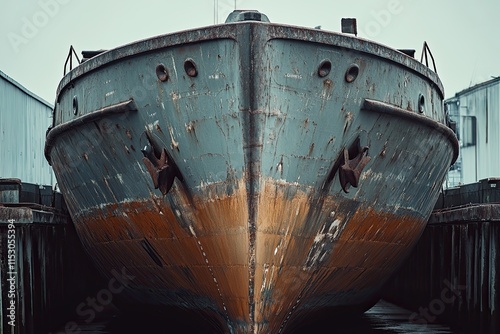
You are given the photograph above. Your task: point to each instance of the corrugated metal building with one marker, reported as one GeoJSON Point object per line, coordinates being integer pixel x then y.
{"type": "Point", "coordinates": [477, 113]}
{"type": "Point", "coordinates": [24, 119]}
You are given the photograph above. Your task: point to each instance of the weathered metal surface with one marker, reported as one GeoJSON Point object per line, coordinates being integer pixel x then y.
{"type": "Point", "coordinates": [452, 274]}
{"type": "Point", "coordinates": [88, 118]}
{"type": "Point", "coordinates": [24, 118]}
{"type": "Point", "coordinates": [255, 232]}
{"type": "Point", "coordinates": [381, 107]}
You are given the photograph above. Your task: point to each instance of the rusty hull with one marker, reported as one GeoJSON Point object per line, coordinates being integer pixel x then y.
{"type": "Point", "coordinates": [257, 174]}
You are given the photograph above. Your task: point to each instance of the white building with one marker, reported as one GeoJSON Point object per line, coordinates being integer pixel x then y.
{"type": "Point", "coordinates": [476, 110]}
{"type": "Point", "coordinates": [24, 119]}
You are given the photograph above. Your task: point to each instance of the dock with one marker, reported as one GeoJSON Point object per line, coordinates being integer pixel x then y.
{"type": "Point", "coordinates": [452, 274]}
{"type": "Point", "coordinates": [44, 270]}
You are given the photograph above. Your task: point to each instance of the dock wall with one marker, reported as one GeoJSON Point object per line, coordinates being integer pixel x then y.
{"type": "Point", "coordinates": [44, 270]}
{"type": "Point", "coordinates": [452, 275]}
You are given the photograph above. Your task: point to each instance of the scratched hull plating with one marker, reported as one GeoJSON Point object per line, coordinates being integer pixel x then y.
{"type": "Point", "coordinates": [293, 169]}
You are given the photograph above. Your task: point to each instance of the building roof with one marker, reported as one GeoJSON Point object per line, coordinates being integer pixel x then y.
{"type": "Point", "coordinates": [478, 86]}
{"type": "Point", "coordinates": [25, 90]}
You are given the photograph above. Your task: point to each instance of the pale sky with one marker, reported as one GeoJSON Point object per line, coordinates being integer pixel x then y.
{"type": "Point", "coordinates": [36, 34]}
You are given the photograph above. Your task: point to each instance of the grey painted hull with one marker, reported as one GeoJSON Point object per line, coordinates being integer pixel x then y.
{"type": "Point", "coordinates": [304, 163]}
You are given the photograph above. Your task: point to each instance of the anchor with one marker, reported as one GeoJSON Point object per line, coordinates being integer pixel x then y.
{"type": "Point", "coordinates": [161, 172]}
{"type": "Point", "coordinates": [351, 169]}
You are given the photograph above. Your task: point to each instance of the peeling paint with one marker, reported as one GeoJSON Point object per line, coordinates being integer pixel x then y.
{"type": "Point", "coordinates": [175, 145]}
{"type": "Point", "coordinates": [323, 244]}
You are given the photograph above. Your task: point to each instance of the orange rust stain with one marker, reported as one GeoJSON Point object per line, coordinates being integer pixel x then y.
{"type": "Point", "coordinates": [222, 230]}
{"type": "Point", "coordinates": [384, 227]}
{"type": "Point", "coordinates": [220, 213]}
{"type": "Point", "coordinates": [202, 244]}
{"type": "Point", "coordinates": [277, 284]}
{"type": "Point", "coordinates": [374, 244]}
{"type": "Point", "coordinates": [367, 250]}
{"type": "Point", "coordinates": [277, 249]}
{"type": "Point", "coordinates": [276, 213]}
{"type": "Point", "coordinates": [226, 249]}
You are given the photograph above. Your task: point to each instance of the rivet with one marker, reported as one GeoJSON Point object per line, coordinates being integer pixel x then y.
{"type": "Point", "coordinates": [161, 72]}
{"type": "Point", "coordinates": [75, 105]}
{"type": "Point", "coordinates": [352, 73]}
{"type": "Point", "coordinates": [324, 68]}
{"type": "Point", "coordinates": [190, 67]}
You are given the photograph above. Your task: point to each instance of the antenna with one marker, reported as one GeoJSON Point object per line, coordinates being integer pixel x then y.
{"type": "Point", "coordinates": [216, 11]}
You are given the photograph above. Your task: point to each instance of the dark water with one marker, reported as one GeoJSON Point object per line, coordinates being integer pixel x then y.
{"type": "Point", "coordinates": [384, 317]}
